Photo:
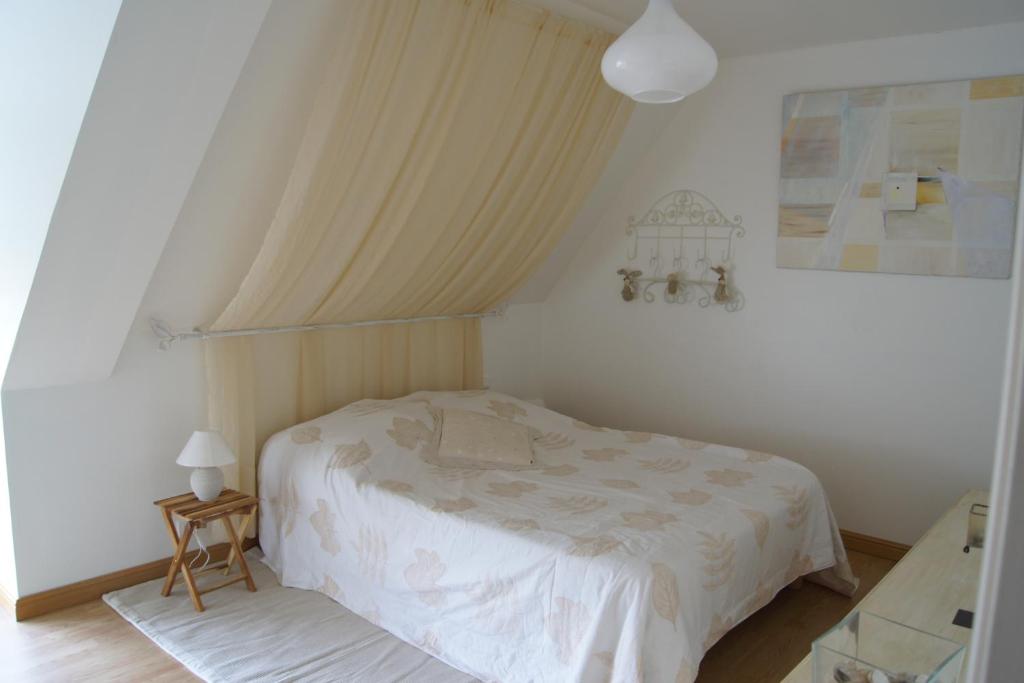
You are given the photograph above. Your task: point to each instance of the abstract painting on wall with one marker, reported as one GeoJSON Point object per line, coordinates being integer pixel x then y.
{"type": "Point", "coordinates": [919, 179]}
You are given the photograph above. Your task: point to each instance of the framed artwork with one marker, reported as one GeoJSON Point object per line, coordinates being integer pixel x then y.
{"type": "Point", "coordinates": [918, 179]}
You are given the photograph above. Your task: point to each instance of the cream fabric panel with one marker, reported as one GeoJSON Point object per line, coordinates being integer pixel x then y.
{"type": "Point", "coordinates": [261, 385]}
{"type": "Point", "coordinates": [450, 145]}
{"type": "Point", "coordinates": [231, 396]}
{"type": "Point", "coordinates": [338, 367]}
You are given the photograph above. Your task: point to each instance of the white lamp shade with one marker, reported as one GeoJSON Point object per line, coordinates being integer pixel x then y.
{"type": "Point", "coordinates": [660, 58]}
{"type": "Point", "coordinates": [206, 449]}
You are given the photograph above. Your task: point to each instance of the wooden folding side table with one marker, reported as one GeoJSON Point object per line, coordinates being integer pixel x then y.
{"type": "Point", "coordinates": [196, 514]}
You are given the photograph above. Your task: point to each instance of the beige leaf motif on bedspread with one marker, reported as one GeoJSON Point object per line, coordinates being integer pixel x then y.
{"type": "Point", "coordinates": [395, 486]}
{"type": "Point", "coordinates": [506, 409]}
{"type": "Point", "coordinates": [719, 552]}
{"type": "Point", "coordinates": [323, 523]}
{"type": "Point", "coordinates": [514, 524]}
{"type": "Point", "coordinates": [349, 455]}
{"type": "Point", "coordinates": [638, 437]}
{"type": "Point", "coordinates": [560, 470]}
{"type": "Point", "coordinates": [620, 484]}
{"type": "Point", "coordinates": [577, 505]}
{"type": "Point", "coordinates": [422, 577]}
{"type": "Point", "coordinates": [409, 433]}
{"type": "Point", "coordinates": [579, 424]}
{"type": "Point", "coordinates": [606, 657]}
{"type": "Point", "coordinates": [608, 660]}
{"type": "Point", "coordinates": [372, 550]}
{"type": "Point", "coordinates": [365, 407]}
{"type": "Point", "coordinates": [798, 566]}
{"type": "Point", "coordinates": [330, 588]}
{"type": "Point", "coordinates": [665, 592]}
{"type": "Point", "coordinates": [497, 605]}
{"type": "Point", "coordinates": [286, 506]}
{"type": "Point", "coordinates": [719, 627]}
{"type": "Point", "coordinates": [761, 597]}
{"type": "Point", "coordinates": [603, 454]}
{"type": "Point", "coordinates": [760, 522]}
{"type": "Point", "coordinates": [686, 673]}
{"type": "Point", "coordinates": [304, 434]}
{"type": "Point", "coordinates": [728, 477]}
{"type": "Point", "coordinates": [593, 546]}
{"type": "Point", "coordinates": [796, 498]}
{"type": "Point", "coordinates": [511, 489]}
{"type": "Point", "coordinates": [691, 444]}
{"type": "Point", "coordinates": [457, 473]}
{"type": "Point", "coordinates": [758, 456]}
{"type": "Point", "coordinates": [552, 441]}
{"type": "Point", "coordinates": [665, 465]}
{"type": "Point", "coordinates": [691, 497]}
{"type": "Point", "coordinates": [430, 643]}
{"type": "Point", "coordinates": [453, 504]}
{"type": "Point", "coordinates": [565, 625]}
{"type": "Point", "coordinates": [647, 521]}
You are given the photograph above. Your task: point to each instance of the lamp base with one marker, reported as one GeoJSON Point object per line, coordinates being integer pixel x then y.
{"type": "Point", "coordinates": [207, 482]}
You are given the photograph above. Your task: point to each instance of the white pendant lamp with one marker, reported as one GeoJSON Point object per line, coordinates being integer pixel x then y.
{"type": "Point", "coordinates": [659, 58]}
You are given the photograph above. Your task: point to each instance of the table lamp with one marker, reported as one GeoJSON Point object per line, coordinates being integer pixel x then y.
{"type": "Point", "coordinates": [207, 452]}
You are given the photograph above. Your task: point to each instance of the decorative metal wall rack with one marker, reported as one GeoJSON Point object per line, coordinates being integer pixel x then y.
{"type": "Point", "coordinates": [686, 229]}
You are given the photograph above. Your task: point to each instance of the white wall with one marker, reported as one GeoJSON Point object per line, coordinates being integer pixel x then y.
{"type": "Point", "coordinates": [886, 386]}
{"type": "Point", "coordinates": [50, 53]}
{"type": "Point", "coordinates": [91, 457]}
{"type": "Point", "coordinates": [512, 351]}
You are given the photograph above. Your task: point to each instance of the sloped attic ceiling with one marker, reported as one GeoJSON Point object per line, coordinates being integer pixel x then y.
{"type": "Point", "coordinates": [744, 27]}
{"type": "Point", "coordinates": [164, 82]}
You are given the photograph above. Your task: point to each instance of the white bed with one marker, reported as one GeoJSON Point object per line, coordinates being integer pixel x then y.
{"type": "Point", "coordinates": [623, 557]}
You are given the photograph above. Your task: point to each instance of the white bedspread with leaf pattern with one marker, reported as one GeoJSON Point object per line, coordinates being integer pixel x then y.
{"type": "Point", "coordinates": [624, 557]}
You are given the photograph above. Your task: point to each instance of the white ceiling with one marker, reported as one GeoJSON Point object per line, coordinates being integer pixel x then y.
{"type": "Point", "coordinates": [743, 27]}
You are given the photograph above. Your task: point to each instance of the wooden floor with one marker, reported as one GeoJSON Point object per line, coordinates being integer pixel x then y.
{"type": "Point", "coordinates": [92, 643]}
{"type": "Point", "coordinates": [773, 640]}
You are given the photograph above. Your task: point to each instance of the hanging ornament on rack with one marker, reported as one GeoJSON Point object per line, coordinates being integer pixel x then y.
{"type": "Point", "coordinates": [629, 283]}
{"type": "Point", "coordinates": [693, 227]}
{"type": "Point", "coordinates": [722, 294]}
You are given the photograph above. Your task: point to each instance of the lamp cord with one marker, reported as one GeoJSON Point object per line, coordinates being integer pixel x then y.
{"type": "Point", "coordinates": [202, 550]}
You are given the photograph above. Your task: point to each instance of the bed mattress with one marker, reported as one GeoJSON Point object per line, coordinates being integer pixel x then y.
{"type": "Point", "coordinates": [623, 556]}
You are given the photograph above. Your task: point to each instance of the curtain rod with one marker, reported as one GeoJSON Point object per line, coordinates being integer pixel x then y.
{"type": "Point", "coordinates": [168, 337]}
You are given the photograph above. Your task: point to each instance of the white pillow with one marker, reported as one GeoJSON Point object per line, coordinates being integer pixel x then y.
{"type": "Point", "coordinates": [467, 439]}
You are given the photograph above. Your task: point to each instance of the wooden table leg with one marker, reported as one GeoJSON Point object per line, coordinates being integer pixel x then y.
{"type": "Point", "coordinates": [179, 556]}
{"type": "Point", "coordinates": [190, 582]}
{"type": "Point", "coordinates": [242, 564]}
{"type": "Point", "coordinates": [246, 520]}
{"type": "Point", "coordinates": [171, 530]}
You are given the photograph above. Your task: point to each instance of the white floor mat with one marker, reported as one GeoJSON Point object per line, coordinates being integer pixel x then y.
{"type": "Point", "coordinates": [274, 634]}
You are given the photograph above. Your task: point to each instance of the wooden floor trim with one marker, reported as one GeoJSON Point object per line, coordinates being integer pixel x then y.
{"type": "Point", "coordinates": [73, 594]}
{"type": "Point", "coordinates": [870, 545]}
{"type": "Point", "coordinates": [91, 589]}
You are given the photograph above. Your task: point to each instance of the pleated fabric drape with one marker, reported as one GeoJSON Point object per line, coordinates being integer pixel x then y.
{"type": "Point", "coordinates": [450, 146]}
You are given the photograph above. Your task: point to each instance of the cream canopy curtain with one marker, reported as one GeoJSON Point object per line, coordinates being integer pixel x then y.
{"type": "Point", "coordinates": [450, 145]}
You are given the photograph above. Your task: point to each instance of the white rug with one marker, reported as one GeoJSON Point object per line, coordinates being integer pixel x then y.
{"type": "Point", "coordinates": [274, 634]}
